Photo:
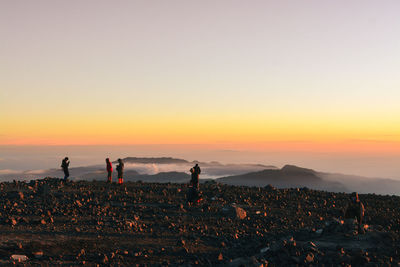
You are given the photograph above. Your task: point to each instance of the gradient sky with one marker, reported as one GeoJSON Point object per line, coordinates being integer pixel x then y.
{"type": "Point", "coordinates": [282, 75]}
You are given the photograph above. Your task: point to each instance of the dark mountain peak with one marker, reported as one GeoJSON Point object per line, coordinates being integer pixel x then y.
{"type": "Point", "coordinates": [287, 177]}
{"type": "Point", "coordinates": [161, 160]}
{"type": "Point", "coordinates": [292, 169]}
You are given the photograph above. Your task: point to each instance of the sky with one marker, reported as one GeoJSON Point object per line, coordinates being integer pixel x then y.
{"type": "Point", "coordinates": [284, 76]}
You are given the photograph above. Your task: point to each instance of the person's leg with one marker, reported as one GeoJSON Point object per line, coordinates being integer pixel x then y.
{"type": "Point", "coordinates": [360, 226]}
{"type": "Point", "coordinates": [190, 195]}
{"type": "Point", "coordinates": [109, 177]}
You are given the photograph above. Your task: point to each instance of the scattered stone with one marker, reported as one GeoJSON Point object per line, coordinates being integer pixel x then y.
{"type": "Point", "coordinates": [13, 221]}
{"type": "Point", "coordinates": [220, 257]}
{"type": "Point", "coordinates": [38, 254]}
{"type": "Point", "coordinates": [310, 257]}
{"type": "Point", "coordinates": [240, 213]}
{"type": "Point", "coordinates": [19, 258]}
{"type": "Point", "coordinates": [235, 212]}
{"type": "Point", "coordinates": [248, 226]}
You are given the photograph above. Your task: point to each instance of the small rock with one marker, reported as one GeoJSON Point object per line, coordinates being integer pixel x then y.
{"type": "Point", "coordinates": [240, 213]}
{"type": "Point", "coordinates": [38, 254]}
{"type": "Point", "coordinates": [220, 257]}
{"type": "Point", "coordinates": [19, 258]}
{"type": "Point", "coordinates": [310, 257]}
{"type": "Point", "coordinates": [13, 221]}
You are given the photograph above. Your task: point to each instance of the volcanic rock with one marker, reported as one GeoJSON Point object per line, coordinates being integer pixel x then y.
{"type": "Point", "coordinates": [149, 224]}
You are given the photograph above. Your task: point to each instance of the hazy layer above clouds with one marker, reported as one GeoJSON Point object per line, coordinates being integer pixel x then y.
{"type": "Point", "coordinates": [236, 174]}
{"type": "Point", "coordinates": [209, 170]}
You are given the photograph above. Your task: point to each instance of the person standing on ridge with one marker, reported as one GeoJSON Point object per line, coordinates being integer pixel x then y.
{"type": "Point", "coordinates": [355, 210]}
{"type": "Point", "coordinates": [109, 170]}
{"type": "Point", "coordinates": [195, 176]}
{"type": "Point", "coordinates": [64, 165]}
{"type": "Point", "coordinates": [193, 195]}
{"type": "Point", "coordinates": [120, 170]}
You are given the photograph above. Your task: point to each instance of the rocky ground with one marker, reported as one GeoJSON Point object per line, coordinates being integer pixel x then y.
{"type": "Point", "coordinates": [94, 223]}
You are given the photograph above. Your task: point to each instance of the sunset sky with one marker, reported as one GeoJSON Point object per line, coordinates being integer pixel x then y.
{"type": "Point", "coordinates": [281, 75]}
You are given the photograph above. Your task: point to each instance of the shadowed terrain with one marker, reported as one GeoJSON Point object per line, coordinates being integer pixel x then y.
{"type": "Point", "coordinates": [287, 177]}
{"type": "Point", "coordinates": [77, 223]}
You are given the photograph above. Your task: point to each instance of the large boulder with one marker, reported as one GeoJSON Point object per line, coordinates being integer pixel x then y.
{"type": "Point", "coordinates": [235, 212]}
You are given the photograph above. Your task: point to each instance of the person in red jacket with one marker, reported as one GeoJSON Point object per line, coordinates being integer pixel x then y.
{"type": "Point", "coordinates": [109, 170]}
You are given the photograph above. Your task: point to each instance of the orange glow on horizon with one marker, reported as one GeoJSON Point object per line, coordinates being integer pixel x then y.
{"type": "Point", "coordinates": [262, 133]}
{"type": "Point", "coordinates": [365, 147]}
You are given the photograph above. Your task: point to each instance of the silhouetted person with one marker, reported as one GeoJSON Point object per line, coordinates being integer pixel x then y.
{"type": "Point", "coordinates": [195, 176]}
{"type": "Point", "coordinates": [109, 170]}
{"type": "Point", "coordinates": [120, 171]}
{"type": "Point", "coordinates": [193, 194]}
{"type": "Point", "coordinates": [64, 165]}
{"type": "Point", "coordinates": [355, 210]}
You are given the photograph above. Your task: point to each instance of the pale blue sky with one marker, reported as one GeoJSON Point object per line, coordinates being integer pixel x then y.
{"type": "Point", "coordinates": [325, 73]}
{"type": "Point", "coordinates": [282, 53]}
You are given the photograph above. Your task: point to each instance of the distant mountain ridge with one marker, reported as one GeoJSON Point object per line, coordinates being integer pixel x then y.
{"type": "Point", "coordinates": [171, 160]}
{"type": "Point", "coordinates": [169, 169]}
{"type": "Point", "coordinates": [161, 160]}
{"type": "Point", "coordinates": [292, 169]}
{"type": "Point", "coordinates": [288, 176]}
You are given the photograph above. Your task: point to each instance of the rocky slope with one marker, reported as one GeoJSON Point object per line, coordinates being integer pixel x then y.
{"type": "Point", "coordinates": [77, 223]}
